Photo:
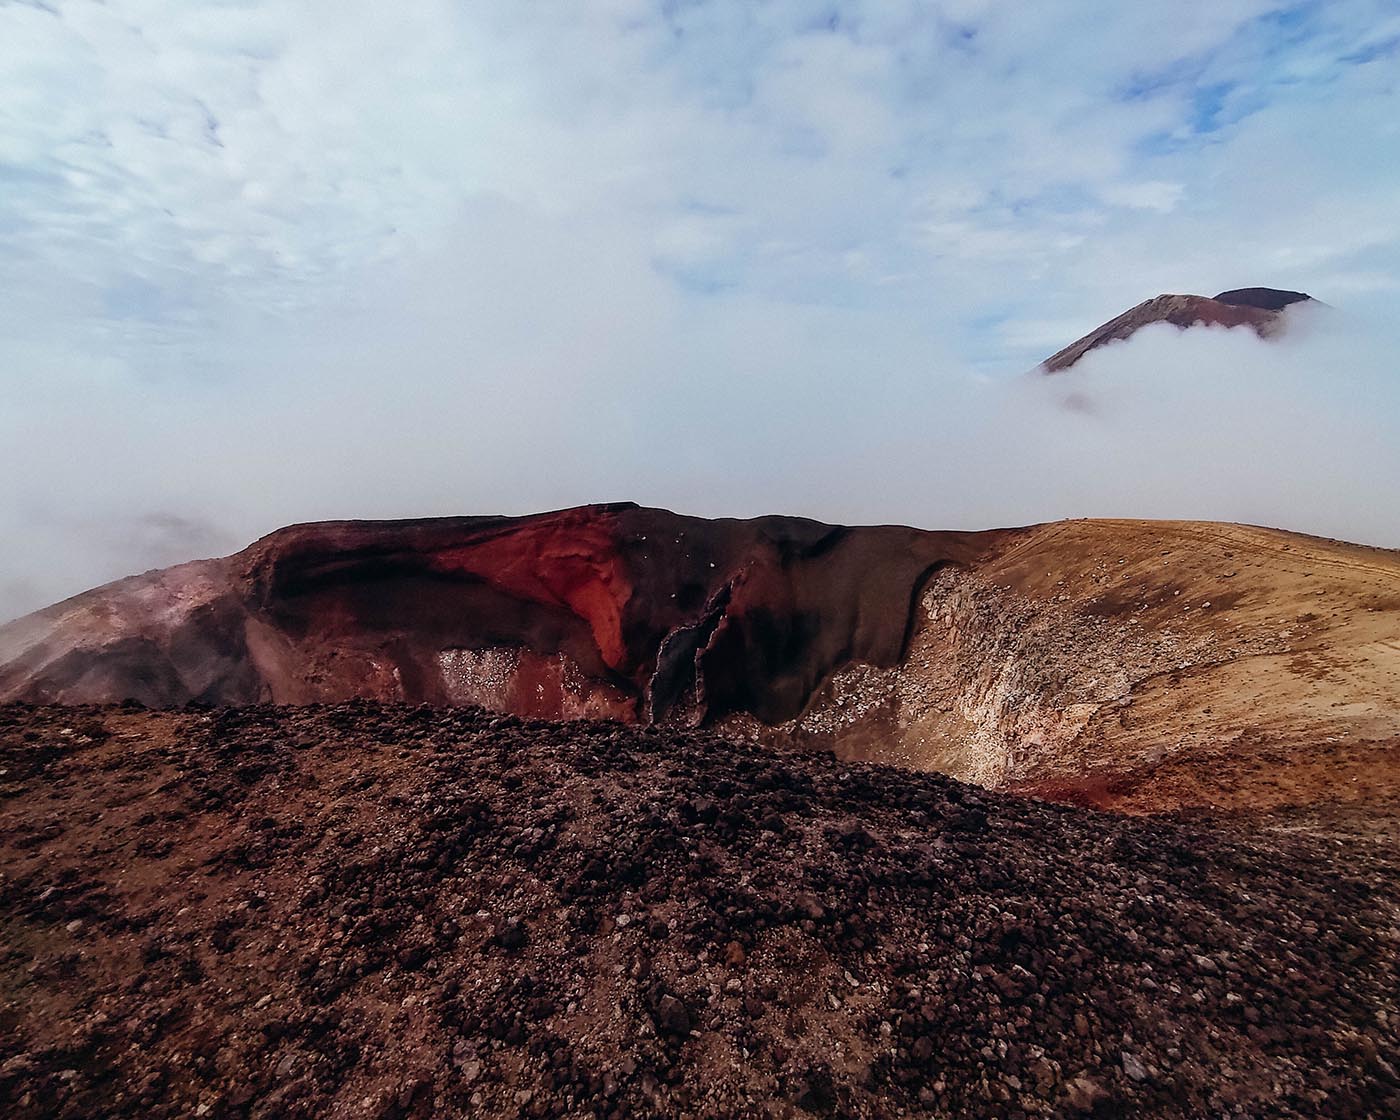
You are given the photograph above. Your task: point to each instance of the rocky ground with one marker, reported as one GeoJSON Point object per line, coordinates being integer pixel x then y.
{"type": "Point", "coordinates": [368, 911]}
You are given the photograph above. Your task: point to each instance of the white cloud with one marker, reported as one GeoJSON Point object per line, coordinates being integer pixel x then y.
{"type": "Point", "coordinates": [265, 263]}
{"type": "Point", "coordinates": [1153, 194]}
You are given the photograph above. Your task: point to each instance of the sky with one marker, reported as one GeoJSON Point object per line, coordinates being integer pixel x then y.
{"type": "Point", "coordinates": [271, 262]}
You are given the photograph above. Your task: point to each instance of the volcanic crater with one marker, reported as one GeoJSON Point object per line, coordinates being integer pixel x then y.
{"type": "Point", "coordinates": [611, 812]}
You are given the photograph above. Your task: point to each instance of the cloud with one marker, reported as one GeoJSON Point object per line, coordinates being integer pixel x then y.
{"type": "Point", "coordinates": [262, 265]}
{"type": "Point", "coordinates": [1215, 424]}
{"type": "Point", "coordinates": [1150, 195]}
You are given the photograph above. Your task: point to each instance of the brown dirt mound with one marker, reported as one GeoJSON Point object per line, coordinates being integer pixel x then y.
{"type": "Point", "coordinates": [413, 912]}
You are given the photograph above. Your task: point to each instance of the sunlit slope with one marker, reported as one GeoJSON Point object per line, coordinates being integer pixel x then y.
{"type": "Point", "coordinates": [1089, 651]}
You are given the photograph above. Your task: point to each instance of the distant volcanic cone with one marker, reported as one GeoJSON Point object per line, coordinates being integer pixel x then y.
{"type": "Point", "coordinates": [1259, 308]}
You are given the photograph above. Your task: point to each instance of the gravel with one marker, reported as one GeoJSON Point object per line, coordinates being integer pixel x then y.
{"type": "Point", "coordinates": [390, 911]}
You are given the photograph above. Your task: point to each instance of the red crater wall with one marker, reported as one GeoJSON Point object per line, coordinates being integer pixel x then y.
{"type": "Point", "coordinates": [615, 611]}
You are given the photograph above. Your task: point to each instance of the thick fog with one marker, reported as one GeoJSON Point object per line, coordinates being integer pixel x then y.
{"type": "Point", "coordinates": [488, 377]}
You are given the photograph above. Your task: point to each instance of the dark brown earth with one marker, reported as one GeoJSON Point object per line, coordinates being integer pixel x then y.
{"type": "Point", "coordinates": [1260, 309]}
{"type": "Point", "coordinates": [410, 912]}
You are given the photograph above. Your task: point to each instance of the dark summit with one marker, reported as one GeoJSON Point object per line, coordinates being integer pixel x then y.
{"type": "Point", "coordinates": [1266, 299]}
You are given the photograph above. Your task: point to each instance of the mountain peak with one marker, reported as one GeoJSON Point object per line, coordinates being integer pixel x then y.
{"type": "Point", "coordinates": [1260, 309]}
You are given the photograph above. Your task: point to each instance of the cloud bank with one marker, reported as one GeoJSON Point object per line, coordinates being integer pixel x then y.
{"type": "Point", "coordinates": [265, 266]}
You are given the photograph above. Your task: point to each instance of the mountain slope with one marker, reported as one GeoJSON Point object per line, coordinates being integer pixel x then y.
{"type": "Point", "coordinates": [1090, 658]}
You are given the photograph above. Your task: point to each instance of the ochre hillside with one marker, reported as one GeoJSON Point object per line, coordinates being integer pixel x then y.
{"type": "Point", "coordinates": [1142, 663]}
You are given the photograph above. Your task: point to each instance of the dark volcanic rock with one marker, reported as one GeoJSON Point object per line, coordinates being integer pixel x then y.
{"type": "Point", "coordinates": [1257, 308]}
{"type": "Point", "coordinates": [615, 611]}
{"type": "Point", "coordinates": [321, 911]}
{"type": "Point", "coordinates": [1269, 299]}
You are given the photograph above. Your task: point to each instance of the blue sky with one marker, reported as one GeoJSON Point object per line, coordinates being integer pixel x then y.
{"type": "Point", "coordinates": [447, 257]}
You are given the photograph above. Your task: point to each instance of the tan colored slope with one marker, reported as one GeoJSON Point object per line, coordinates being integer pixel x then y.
{"type": "Point", "coordinates": [1144, 665]}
